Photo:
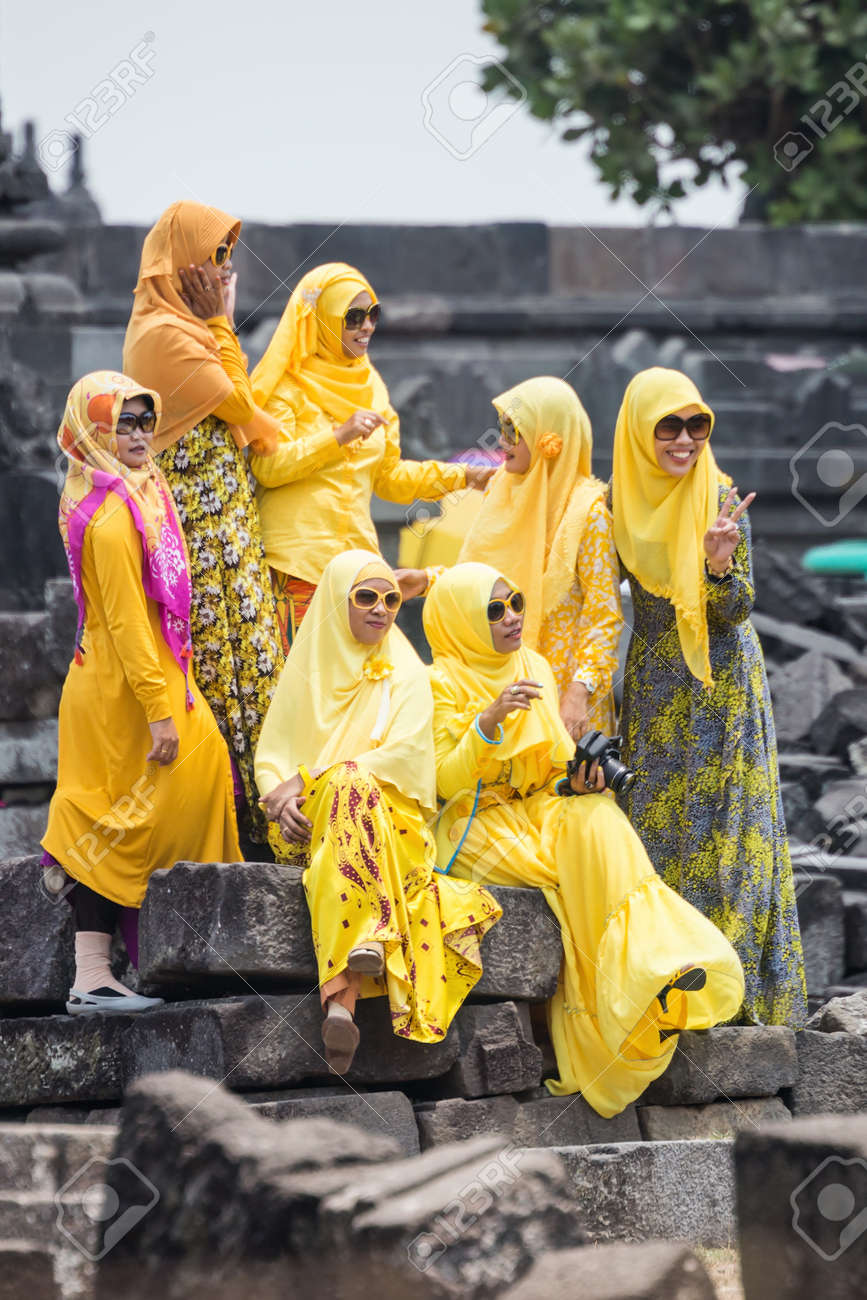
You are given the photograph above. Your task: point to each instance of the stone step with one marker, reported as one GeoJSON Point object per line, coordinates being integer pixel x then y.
{"type": "Point", "coordinates": [724, 1063]}
{"type": "Point", "coordinates": [537, 1121]}
{"type": "Point", "coordinates": [637, 1191]}
{"type": "Point", "coordinates": [387, 1114]}
{"type": "Point", "coordinates": [28, 752]}
{"type": "Point", "coordinates": [717, 1119]}
{"type": "Point", "coordinates": [27, 1269]}
{"type": "Point", "coordinates": [657, 1270]}
{"type": "Point", "coordinates": [832, 1074]}
{"type": "Point", "coordinates": [207, 923]}
{"type": "Point", "coordinates": [251, 1042]}
{"type": "Point", "coordinates": [37, 1159]}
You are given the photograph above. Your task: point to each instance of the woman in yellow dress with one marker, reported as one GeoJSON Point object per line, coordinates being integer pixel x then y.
{"type": "Point", "coordinates": [341, 438]}
{"type": "Point", "coordinates": [639, 963]}
{"type": "Point", "coordinates": [346, 770]}
{"type": "Point", "coordinates": [544, 521]}
{"type": "Point", "coordinates": [143, 777]}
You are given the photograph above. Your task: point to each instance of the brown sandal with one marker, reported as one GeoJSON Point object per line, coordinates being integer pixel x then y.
{"type": "Point", "coordinates": [340, 1036]}
{"type": "Point", "coordinates": [367, 959]}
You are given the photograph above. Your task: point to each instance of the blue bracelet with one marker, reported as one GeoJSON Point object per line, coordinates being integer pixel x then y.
{"type": "Point", "coordinates": [498, 740]}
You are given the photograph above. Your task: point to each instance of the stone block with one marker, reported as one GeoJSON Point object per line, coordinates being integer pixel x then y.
{"type": "Point", "coordinates": [28, 687]}
{"type": "Point", "coordinates": [821, 917]}
{"type": "Point", "coordinates": [802, 689]}
{"type": "Point", "coordinates": [385, 1114]}
{"type": "Point", "coordinates": [22, 826]}
{"type": "Point", "coordinates": [728, 1062]}
{"type": "Point", "coordinates": [318, 1207]}
{"type": "Point", "coordinates": [27, 1269]}
{"type": "Point", "coordinates": [542, 1121]}
{"type": "Point", "coordinates": [842, 722]}
{"type": "Point", "coordinates": [655, 1270]}
{"type": "Point", "coordinates": [253, 1041]}
{"type": "Point", "coordinates": [832, 1074]}
{"type": "Point", "coordinates": [801, 1196]}
{"type": "Point", "coordinates": [28, 531]}
{"type": "Point", "coordinates": [637, 1191]}
{"type": "Point", "coordinates": [717, 1119]}
{"type": "Point", "coordinates": [209, 923]}
{"type": "Point", "coordinates": [855, 914]}
{"type": "Point", "coordinates": [496, 1052]}
{"type": "Point", "coordinates": [28, 752]}
{"type": "Point", "coordinates": [846, 1014]}
{"type": "Point", "coordinates": [62, 614]}
{"type": "Point", "coordinates": [843, 809]}
{"type": "Point", "coordinates": [36, 956]}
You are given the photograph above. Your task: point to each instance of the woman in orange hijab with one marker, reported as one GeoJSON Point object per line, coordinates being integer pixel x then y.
{"type": "Point", "coordinates": [180, 341]}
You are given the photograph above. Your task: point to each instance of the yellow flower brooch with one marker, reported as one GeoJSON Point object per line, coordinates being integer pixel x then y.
{"type": "Point", "coordinates": [376, 668]}
{"type": "Point", "coordinates": [549, 445]}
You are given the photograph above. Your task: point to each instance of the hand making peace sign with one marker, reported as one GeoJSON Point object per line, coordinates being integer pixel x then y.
{"type": "Point", "coordinates": [722, 537]}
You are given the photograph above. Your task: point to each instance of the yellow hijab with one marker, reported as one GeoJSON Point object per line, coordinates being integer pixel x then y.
{"type": "Point", "coordinates": [166, 346]}
{"type": "Point", "coordinates": [468, 674]}
{"type": "Point", "coordinates": [530, 525]}
{"type": "Point", "coordinates": [659, 520]}
{"type": "Point", "coordinates": [338, 700]}
{"type": "Point", "coordinates": [307, 346]}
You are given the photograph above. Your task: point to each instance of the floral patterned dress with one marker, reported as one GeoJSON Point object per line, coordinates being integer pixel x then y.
{"type": "Point", "coordinates": [706, 801]}
{"type": "Point", "coordinates": [237, 652]}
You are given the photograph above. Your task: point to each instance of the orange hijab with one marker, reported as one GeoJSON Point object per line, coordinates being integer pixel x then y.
{"type": "Point", "coordinates": [169, 349]}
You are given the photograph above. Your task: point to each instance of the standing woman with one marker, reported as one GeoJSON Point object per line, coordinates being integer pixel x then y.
{"type": "Point", "coordinates": [697, 717]}
{"type": "Point", "coordinates": [544, 521]}
{"type": "Point", "coordinates": [180, 341]}
{"type": "Point", "coordinates": [340, 438]}
{"type": "Point", "coordinates": [346, 769]}
{"type": "Point", "coordinates": [143, 777]}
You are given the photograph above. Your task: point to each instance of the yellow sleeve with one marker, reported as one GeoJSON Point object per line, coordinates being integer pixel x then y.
{"type": "Point", "coordinates": [239, 406]}
{"type": "Point", "coordinates": [117, 559]}
{"type": "Point", "coordinates": [598, 632]}
{"type": "Point", "coordinates": [460, 763]}
{"type": "Point", "coordinates": [304, 447]}
{"type": "Point", "coordinates": [410, 480]}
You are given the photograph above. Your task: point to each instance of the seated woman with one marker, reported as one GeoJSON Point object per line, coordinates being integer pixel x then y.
{"type": "Point", "coordinates": [544, 521]}
{"type": "Point", "coordinates": [639, 963]}
{"type": "Point", "coordinates": [143, 775]}
{"type": "Point", "coordinates": [345, 767]}
{"type": "Point", "coordinates": [341, 438]}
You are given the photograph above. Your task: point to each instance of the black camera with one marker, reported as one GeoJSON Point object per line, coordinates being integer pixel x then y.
{"type": "Point", "coordinates": [595, 747]}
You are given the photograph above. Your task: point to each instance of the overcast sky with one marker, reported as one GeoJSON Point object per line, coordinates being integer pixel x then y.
{"type": "Point", "coordinates": [288, 111]}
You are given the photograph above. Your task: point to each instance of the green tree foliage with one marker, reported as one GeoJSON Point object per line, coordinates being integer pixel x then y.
{"type": "Point", "coordinates": [778, 86]}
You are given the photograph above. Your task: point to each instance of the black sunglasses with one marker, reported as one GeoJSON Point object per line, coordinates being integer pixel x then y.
{"type": "Point", "coordinates": [128, 423]}
{"type": "Point", "coordinates": [669, 428]}
{"type": "Point", "coordinates": [221, 254]}
{"type": "Point", "coordinates": [356, 316]}
{"type": "Point", "coordinates": [497, 608]}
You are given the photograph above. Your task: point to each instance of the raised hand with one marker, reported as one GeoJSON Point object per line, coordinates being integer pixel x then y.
{"type": "Point", "coordinates": [412, 582]}
{"type": "Point", "coordinates": [721, 539]}
{"type": "Point", "coordinates": [360, 424]}
{"type": "Point", "coordinates": [519, 695]}
{"type": "Point", "coordinates": [478, 476]}
{"type": "Point", "coordinates": [202, 291]}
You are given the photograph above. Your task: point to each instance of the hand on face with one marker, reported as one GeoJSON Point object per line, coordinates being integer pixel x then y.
{"type": "Point", "coordinates": [202, 290]}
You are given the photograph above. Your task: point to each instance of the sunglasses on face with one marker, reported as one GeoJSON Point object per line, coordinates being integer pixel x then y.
{"type": "Point", "coordinates": [369, 598]}
{"type": "Point", "coordinates": [128, 423]}
{"type": "Point", "coordinates": [221, 254]}
{"type": "Point", "coordinates": [669, 428]}
{"type": "Point", "coordinates": [508, 432]}
{"type": "Point", "coordinates": [497, 608]}
{"type": "Point", "coordinates": [356, 316]}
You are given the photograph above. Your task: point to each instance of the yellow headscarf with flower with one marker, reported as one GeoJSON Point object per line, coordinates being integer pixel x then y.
{"type": "Point", "coordinates": [660, 520]}
{"type": "Point", "coordinates": [468, 674]}
{"type": "Point", "coordinates": [530, 525]}
{"type": "Point", "coordinates": [307, 347]}
{"type": "Point", "coordinates": [338, 700]}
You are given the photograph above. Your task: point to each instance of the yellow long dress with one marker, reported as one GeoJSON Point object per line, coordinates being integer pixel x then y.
{"type": "Point", "coordinates": [625, 934]}
{"type": "Point", "coordinates": [114, 819]}
{"type": "Point", "coordinates": [361, 716]}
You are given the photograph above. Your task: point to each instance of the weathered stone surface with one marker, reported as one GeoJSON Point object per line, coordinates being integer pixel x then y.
{"type": "Point", "coordinates": [213, 922]}
{"type": "Point", "coordinates": [843, 809]}
{"type": "Point", "coordinates": [636, 1191]}
{"type": "Point", "coordinates": [842, 1015]}
{"type": "Point", "coordinates": [801, 1195]}
{"type": "Point", "coordinates": [820, 913]}
{"type": "Point", "coordinates": [385, 1114]}
{"type": "Point", "coordinates": [753, 1061]}
{"type": "Point", "coordinates": [792, 637]}
{"type": "Point", "coordinates": [496, 1052]}
{"type": "Point", "coordinates": [832, 1074]}
{"type": "Point", "coordinates": [543, 1121]}
{"type": "Point", "coordinates": [841, 722]}
{"type": "Point", "coordinates": [62, 615]}
{"type": "Point", "coordinates": [801, 690]}
{"type": "Point", "coordinates": [252, 1041]}
{"type": "Point", "coordinates": [855, 910]}
{"type": "Point", "coordinates": [28, 751]}
{"type": "Point", "coordinates": [717, 1119]}
{"type": "Point", "coordinates": [27, 1269]}
{"type": "Point", "coordinates": [318, 1207]}
{"type": "Point", "coordinates": [40, 1158]}
{"type": "Point", "coordinates": [36, 955]}
{"type": "Point", "coordinates": [21, 828]}
{"type": "Point", "coordinates": [28, 687]}
{"type": "Point", "coordinates": [655, 1270]}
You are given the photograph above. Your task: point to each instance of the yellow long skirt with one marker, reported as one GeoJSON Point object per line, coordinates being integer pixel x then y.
{"type": "Point", "coordinates": [625, 936]}
{"type": "Point", "coordinates": [371, 878]}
